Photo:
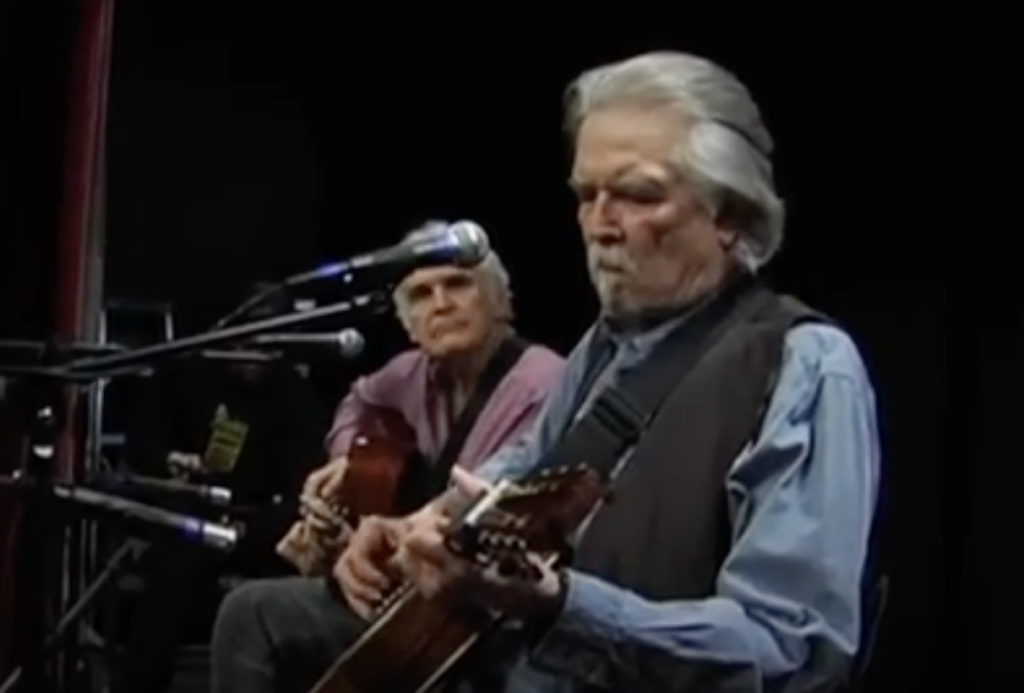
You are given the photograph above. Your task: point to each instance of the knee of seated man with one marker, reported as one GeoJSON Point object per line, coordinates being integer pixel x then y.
{"type": "Point", "coordinates": [241, 611]}
{"type": "Point", "coordinates": [284, 612]}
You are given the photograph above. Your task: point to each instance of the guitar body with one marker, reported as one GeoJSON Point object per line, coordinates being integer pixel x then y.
{"type": "Point", "coordinates": [377, 460]}
{"type": "Point", "coordinates": [413, 643]}
{"type": "Point", "coordinates": [408, 649]}
{"type": "Point", "coordinates": [378, 457]}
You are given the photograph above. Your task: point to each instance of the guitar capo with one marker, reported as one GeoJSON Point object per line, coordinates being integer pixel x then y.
{"type": "Point", "coordinates": [464, 537]}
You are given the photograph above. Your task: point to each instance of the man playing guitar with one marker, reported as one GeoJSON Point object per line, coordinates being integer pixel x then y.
{"type": "Point", "coordinates": [735, 427]}
{"type": "Point", "coordinates": [469, 387]}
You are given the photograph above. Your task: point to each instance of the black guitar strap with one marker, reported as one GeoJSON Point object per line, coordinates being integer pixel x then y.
{"type": "Point", "coordinates": [426, 480]}
{"type": "Point", "coordinates": [504, 359]}
{"type": "Point", "coordinates": [622, 411]}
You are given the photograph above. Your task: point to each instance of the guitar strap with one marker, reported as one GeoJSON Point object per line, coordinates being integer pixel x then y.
{"type": "Point", "coordinates": [434, 476]}
{"type": "Point", "coordinates": [623, 410]}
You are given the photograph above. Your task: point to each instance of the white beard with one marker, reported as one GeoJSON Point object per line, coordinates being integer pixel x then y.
{"type": "Point", "coordinates": [611, 292]}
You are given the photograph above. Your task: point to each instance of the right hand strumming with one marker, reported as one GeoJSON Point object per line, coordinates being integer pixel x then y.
{"type": "Point", "coordinates": [369, 566]}
{"type": "Point", "coordinates": [366, 570]}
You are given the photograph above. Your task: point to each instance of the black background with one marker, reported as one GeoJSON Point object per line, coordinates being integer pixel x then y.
{"type": "Point", "coordinates": [247, 143]}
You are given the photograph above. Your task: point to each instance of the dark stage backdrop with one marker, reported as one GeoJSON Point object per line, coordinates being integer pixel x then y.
{"type": "Point", "coordinates": [248, 143]}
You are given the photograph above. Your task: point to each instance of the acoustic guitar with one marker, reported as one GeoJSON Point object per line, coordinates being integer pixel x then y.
{"type": "Point", "coordinates": [377, 460]}
{"type": "Point", "coordinates": [378, 456]}
{"type": "Point", "coordinates": [413, 643]}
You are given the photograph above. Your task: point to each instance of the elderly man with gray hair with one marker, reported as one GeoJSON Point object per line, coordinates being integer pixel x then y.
{"type": "Point", "coordinates": [744, 463]}
{"type": "Point", "coordinates": [469, 386]}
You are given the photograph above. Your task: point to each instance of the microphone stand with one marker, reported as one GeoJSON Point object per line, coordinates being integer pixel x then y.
{"type": "Point", "coordinates": [146, 356]}
{"type": "Point", "coordinates": [42, 398]}
{"type": "Point", "coordinates": [34, 552]}
{"type": "Point", "coordinates": [28, 674]}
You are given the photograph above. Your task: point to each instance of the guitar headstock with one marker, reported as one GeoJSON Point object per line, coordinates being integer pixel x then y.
{"type": "Point", "coordinates": [567, 492]}
{"type": "Point", "coordinates": [536, 515]}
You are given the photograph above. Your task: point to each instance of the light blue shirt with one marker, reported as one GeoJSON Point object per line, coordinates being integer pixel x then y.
{"type": "Point", "coordinates": [802, 496]}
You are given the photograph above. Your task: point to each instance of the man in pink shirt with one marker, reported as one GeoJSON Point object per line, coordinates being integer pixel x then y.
{"type": "Point", "coordinates": [469, 387]}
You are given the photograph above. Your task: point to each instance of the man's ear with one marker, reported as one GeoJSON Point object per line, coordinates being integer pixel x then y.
{"type": "Point", "coordinates": [734, 215]}
{"type": "Point", "coordinates": [504, 308]}
{"type": "Point", "coordinates": [498, 302]}
{"type": "Point", "coordinates": [727, 237]}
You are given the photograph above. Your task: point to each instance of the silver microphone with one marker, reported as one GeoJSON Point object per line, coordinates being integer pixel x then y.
{"type": "Point", "coordinates": [213, 534]}
{"type": "Point", "coordinates": [348, 343]}
{"type": "Point", "coordinates": [463, 243]}
{"type": "Point", "coordinates": [216, 495]}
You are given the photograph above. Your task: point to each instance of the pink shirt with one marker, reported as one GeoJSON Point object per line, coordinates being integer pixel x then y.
{"type": "Point", "coordinates": [406, 384]}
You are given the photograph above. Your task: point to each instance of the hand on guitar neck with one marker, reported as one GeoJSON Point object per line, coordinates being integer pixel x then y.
{"type": "Point", "coordinates": [360, 484]}
{"type": "Point", "coordinates": [528, 590]}
{"type": "Point", "coordinates": [315, 541]}
{"type": "Point", "coordinates": [318, 501]}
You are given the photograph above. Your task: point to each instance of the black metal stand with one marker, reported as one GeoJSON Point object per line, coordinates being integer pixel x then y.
{"type": "Point", "coordinates": [145, 357]}
{"type": "Point", "coordinates": [42, 394]}
{"type": "Point", "coordinates": [35, 551]}
{"type": "Point", "coordinates": [122, 559]}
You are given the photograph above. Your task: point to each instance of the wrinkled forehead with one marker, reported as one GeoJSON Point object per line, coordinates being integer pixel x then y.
{"type": "Point", "coordinates": [427, 278]}
{"type": "Point", "coordinates": [625, 142]}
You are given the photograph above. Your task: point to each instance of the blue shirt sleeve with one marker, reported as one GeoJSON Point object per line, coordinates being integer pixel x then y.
{"type": "Point", "coordinates": [802, 498]}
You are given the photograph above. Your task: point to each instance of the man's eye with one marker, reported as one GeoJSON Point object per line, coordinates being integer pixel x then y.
{"type": "Point", "coordinates": [585, 193]}
{"type": "Point", "coordinates": [638, 194]}
{"type": "Point", "coordinates": [457, 283]}
{"type": "Point", "coordinates": [635, 194]}
{"type": "Point", "coordinates": [417, 294]}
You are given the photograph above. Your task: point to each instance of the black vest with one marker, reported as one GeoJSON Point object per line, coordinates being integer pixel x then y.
{"type": "Point", "coordinates": [666, 532]}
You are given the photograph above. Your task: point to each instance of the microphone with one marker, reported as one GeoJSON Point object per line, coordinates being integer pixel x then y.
{"type": "Point", "coordinates": [215, 495]}
{"type": "Point", "coordinates": [348, 343]}
{"type": "Point", "coordinates": [210, 534]}
{"type": "Point", "coordinates": [463, 243]}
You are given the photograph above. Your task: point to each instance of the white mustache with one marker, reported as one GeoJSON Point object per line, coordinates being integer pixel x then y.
{"type": "Point", "coordinates": [606, 259]}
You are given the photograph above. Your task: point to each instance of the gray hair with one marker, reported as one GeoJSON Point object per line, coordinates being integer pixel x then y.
{"type": "Point", "coordinates": [727, 152]}
{"type": "Point", "coordinates": [491, 269]}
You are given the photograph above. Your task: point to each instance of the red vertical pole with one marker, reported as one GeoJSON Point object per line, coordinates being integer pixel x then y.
{"type": "Point", "coordinates": [78, 232]}
{"type": "Point", "coordinates": [81, 210]}
{"type": "Point", "coordinates": [87, 110]}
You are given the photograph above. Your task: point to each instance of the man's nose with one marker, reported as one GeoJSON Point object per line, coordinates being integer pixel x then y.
{"type": "Point", "coordinates": [599, 221]}
{"type": "Point", "coordinates": [442, 299]}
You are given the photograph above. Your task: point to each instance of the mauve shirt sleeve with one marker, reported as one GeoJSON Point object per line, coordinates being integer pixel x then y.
{"type": "Point", "coordinates": [387, 388]}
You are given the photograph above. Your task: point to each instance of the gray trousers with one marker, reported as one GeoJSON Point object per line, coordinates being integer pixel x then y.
{"type": "Point", "coordinates": [279, 636]}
